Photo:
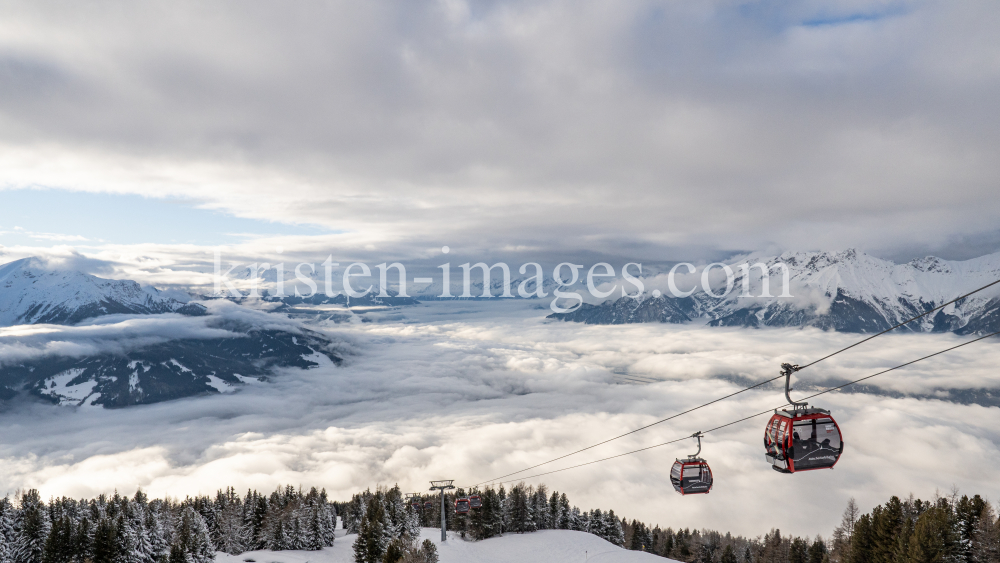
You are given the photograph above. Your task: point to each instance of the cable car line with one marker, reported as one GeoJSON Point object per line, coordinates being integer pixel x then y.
{"type": "Point", "coordinates": [795, 368]}
{"type": "Point", "coordinates": [671, 417]}
{"type": "Point", "coordinates": [904, 365]}
{"type": "Point", "coordinates": [746, 418]}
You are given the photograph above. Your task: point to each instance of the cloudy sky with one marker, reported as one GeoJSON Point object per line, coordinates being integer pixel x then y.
{"type": "Point", "coordinates": [659, 130]}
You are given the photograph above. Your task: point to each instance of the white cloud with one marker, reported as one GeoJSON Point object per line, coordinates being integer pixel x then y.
{"type": "Point", "coordinates": [472, 391]}
{"type": "Point", "coordinates": [123, 333]}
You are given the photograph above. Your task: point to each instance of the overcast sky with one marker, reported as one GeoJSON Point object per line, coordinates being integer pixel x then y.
{"type": "Point", "coordinates": [649, 129]}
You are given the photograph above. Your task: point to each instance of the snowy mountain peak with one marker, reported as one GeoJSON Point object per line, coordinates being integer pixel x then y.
{"type": "Point", "coordinates": [847, 291]}
{"type": "Point", "coordinates": [32, 292]}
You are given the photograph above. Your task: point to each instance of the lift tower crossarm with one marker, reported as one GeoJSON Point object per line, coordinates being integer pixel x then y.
{"type": "Point", "coordinates": [442, 486]}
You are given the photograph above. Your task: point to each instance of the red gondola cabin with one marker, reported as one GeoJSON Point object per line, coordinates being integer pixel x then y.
{"type": "Point", "coordinates": [462, 506]}
{"type": "Point", "coordinates": [802, 440]}
{"type": "Point", "coordinates": [475, 501]}
{"type": "Point", "coordinates": [691, 476]}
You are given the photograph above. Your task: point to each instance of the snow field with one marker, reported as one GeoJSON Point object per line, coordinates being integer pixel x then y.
{"type": "Point", "coordinates": [548, 546]}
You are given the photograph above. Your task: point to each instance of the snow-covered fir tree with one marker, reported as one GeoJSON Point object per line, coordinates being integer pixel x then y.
{"type": "Point", "coordinates": [6, 530]}
{"type": "Point", "coordinates": [193, 537]}
{"type": "Point", "coordinates": [31, 529]}
{"type": "Point", "coordinates": [373, 537]}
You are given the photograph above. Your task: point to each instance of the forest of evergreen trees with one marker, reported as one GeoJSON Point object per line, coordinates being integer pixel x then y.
{"type": "Point", "coordinates": [119, 529]}
{"type": "Point", "coordinates": [946, 530]}
{"type": "Point", "coordinates": [384, 528]}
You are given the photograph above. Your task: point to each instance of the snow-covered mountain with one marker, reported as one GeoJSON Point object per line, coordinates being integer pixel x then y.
{"type": "Point", "coordinates": [216, 347]}
{"type": "Point", "coordinates": [846, 291]}
{"type": "Point", "coordinates": [31, 292]}
{"type": "Point", "coordinates": [168, 370]}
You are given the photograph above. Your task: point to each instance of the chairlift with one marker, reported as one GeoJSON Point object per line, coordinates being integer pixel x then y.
{"type": "Point", "coordinates": [803, 438]}
{"type": "Point", "coordinates": [462, 506]}
{"type": "Point", "coordinates": [475, 501]}
{"type": "Point", "coordinates": [692, 475]}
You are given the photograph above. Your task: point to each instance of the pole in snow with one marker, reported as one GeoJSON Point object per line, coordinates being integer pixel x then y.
{"type": "Point", "coordinates": [443, 486]}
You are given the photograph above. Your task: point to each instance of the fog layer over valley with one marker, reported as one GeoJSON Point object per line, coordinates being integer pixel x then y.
{"type": "Point", "coordinates": [475, 390]}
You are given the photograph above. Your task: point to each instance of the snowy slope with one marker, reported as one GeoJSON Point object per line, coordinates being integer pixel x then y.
{"type": "Point", "coordinates": [31, 293]}
{"type": "Point", "coordinates": [846, 291]}
{"type": "Point", "coordinates": [546, 546]}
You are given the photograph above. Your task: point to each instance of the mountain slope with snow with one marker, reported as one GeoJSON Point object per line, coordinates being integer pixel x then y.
{"type": "Point", "coordinates": [163, 371]}
{"type": "Point", "coordinates": [847, 291]}
{"type": "Point", "coordinates": [545, 546]}
{"type": "Point", "coordinates": [31, 292]}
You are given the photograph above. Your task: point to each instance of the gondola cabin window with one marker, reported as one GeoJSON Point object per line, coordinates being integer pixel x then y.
{"type": "Point", "coordinates": [675, 472]}
{"type": "Point", "coordinates": [815, 443]}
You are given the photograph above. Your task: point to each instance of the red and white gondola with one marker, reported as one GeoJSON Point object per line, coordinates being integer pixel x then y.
{"type": "Point", "coordinates": [803, 438]}
{"type": "Point", "coordinates": [692, 475]}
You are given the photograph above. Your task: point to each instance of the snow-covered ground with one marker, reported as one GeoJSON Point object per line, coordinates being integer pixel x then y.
{"type": "Point", "coordinates": [549, 546]}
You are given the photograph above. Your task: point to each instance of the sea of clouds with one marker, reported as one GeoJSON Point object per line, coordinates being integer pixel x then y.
{"type": "Point", "coordinates": [474, 390]}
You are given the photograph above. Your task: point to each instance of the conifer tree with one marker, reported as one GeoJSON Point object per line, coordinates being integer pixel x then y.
{"type": "Point", "coordinates": [370, 545]}
{"type": "Point", "coordinates": [967, 511]}
{"type": "Point", "coordinates": [933, 536]}
{"type": "Point", "coordinates": [798, 551]}
{"type": "Point", "coordinates": [136, 511]}
{"type": "Point", "coordinates": [818, 551]}
{"type": "Point", "coordinates": [6, 529]}
{"type": "Point", "coordinates": [105, 542]}
{"type": "Point", "coordinates": [613, 529]}
{"type": "Point", "coordinates": [641, 539]}
{"type": "Point", "coordinates": [314, 538]}
{"type": "Point", "coordinates": [83, 540]}
{"type": "Point", "coordinates": [177, 554]}
{"type": "Point", "coordinates": [59, 545]}
{"type": "Point", "coordinates": [127, 543]}
{"type": "Point", "coordinates": [395, 551]}
{"type": "Point", "coordinates": [193, 537]}
{"type": "Point", "coordinates": [540, 509]}
{"type": "Point", "coordinates": [521, 510]}
{"type": "Point", "coordinates": [31, 528]}
{"type": "Point", "coordinates": [728, 555]}
{"type": "Point", "coordinates": [254, 523]}
{"type": "Point", "coordinates": [227, 530]}
{"type": "Point", "coordinates": [505, 521]}
{"type": "Point", "coordinates": [159, 547]}
{"type": "Point", "coordinates": [555, 511]}
{"type": "Point", "coordinates": [596, 521]}
{"type": "Point", "coordinates": [862, 540]}
{"type": "Point", "coordinates": [986, 538]}
{"type": "Point", "coordinates": [430, 551]}
{"type": "Point", "coordinates": [667, 542]}
{"type": "Point", "coordinates": [565, 513]}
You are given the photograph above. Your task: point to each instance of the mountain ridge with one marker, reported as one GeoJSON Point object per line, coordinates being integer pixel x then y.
{"type": "Point", "coordinates": [32, 292]}
{"type": "Point", "coordinates": [847, 291]}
